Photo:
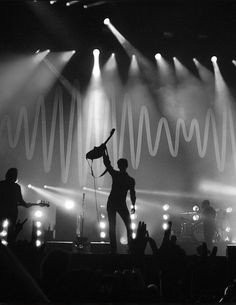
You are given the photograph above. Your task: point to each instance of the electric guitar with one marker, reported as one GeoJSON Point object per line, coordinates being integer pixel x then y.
{"type": "Point", "coordinates": [40, 204]}
{"type": "Point", "coordinates": [98, 151]}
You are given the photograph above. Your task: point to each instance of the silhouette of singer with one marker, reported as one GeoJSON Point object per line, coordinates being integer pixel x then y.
{"type": "Point", "coordinates": [10, 199]}
{"type": "Point", "coordinates": [121, 184]}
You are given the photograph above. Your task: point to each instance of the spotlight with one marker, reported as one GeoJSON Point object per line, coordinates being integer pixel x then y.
{"type": "Point", "coordinates": [166, 207]}
{"type": "Point", "coordinates": [102, 234]}
{"type": "Point", "coordinates": [38, 243]}
{"type": "Point", "coordinates": [133, 226]}
{"type": "Point", "coordinates": [38, 233]}
{"type": "Point", "coordinates": [165, 226]}
{"type": "Point", "coordinates": [196, 208]}
{"type": "Point", "coordinates": [5, 223]}
{"type": "Point", "coordinates": [37, 52]}
{"type": "Point", "coordinates": [102, 216]}
{"type": "Point", "coordinates": [214, 59]}
{"type": "Point", "coordinates": [4, 242]}
{"type": "Point", "coordinates": [45, 186]}
{"type": "Point", "coordinates": [53, 1]}
{"type": "Point", "coordinates": [96, 52]}
{"type": "Point", "coordinates": [133, 235]}
{"type": "Point", "coordinates": [69, 204]}
{"type": "Point", "coordinates": [133, 216]}
{"type": "Point", "coordinates": [102, 225]}
{"type": "Point", "coordinates": [229, 210]}
{"type": "Point", "coordinates": [30, 186]}
{"type": "Point", "coordinates": [38, 224]}
{"type": "Point", "coordinates": [48, 51]}
{"type": "Point", "coordinates": [158, 56]}
{"type": "Point", "coordinates": [106, 21]}
{"type": "Point", "coordinates": [3, 233]}
{"type": "Point", "coordinates": [38, 214]}
{"type": "Point", "coordinates": [123, 240]}
{"type": "Point", "coordinates": [227, 229]}
{"type": "Point", "coordinates": [196, 217]}
{"type": "Point", "coordinates": [166, 216]}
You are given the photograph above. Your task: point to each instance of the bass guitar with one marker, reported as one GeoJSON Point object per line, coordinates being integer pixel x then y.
{"type": "Point", "coordinates": [98, 151]}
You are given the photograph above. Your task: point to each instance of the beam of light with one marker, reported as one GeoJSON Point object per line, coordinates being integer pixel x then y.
{"type": "Point", "coordinates": [54, 199]}
{"type": "Point", "coordinates": [234, 62]}
{"type": "Point", "coordinates": [133, 65]}
{"type": "Point", "coordinates": [180, 69]}
{"type": "Point", "coordinates": [165, 71]}
{"type": "Point", "coordinates": [69, 3]}
{"type": "Point", "coordinates": [61, 190]}
{"type": "Point", "coordinates": [98, 191]}
{"type": "Point", "coordinates": [96, 68]}
{"type": "Point", "coordinates": [96, 112]}
{"type": "Point", "coordinates": [66, 56]}
{"type": "Point", "coordinates": [98, 3]}
{"type": "Point", "coordinates": [115, 32]}
{"type": "Point", "coordinates": [39, 56]}
{"type": "Point", "coordinates": [205, 74]}
{"type": "Point", "coordinates": [209, 187]}
{"type": "Point", "coordinates": [111, 64]}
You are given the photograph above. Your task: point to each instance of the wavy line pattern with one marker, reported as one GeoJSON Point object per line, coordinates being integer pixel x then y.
{"type": "Point", "coordinates": [75, 125]}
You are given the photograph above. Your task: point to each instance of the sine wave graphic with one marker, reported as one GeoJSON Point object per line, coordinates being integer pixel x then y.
{"type": "Point", "coordinates": [74, 124]}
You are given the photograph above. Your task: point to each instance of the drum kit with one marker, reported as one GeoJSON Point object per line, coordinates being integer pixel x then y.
{"type": "Point", "coordinates": [192, 230]}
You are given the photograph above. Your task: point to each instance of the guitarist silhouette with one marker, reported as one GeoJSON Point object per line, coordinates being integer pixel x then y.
{"type": "Point", "coordinates": [10, 199]}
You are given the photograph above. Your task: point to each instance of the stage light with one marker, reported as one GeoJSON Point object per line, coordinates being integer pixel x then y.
{"type": "Point", "coordinates": [166, 216]}
{"type": "Point", "coordinates": [133, 216]}
{"type": "Point", "coordinates": [227, 229]}
{"type": "Point", "coordinates": [133, 235]}
{"type": "Point", "coordinates": [102, 234]}
{"type": "Point", "coordinates": [214, 59]}
{"type": "Point", "coordinates": [227, 238]}
{"type": "Point", "coordinates": [38, 243]}
{"type": "Point", "coordinates": [166, 207]}
{"type": "Point", "coordinates": [45, 186]}
{"type": "Point", "coordinates": [102, 225]}
{"type": "Point", "coordinates": [48, 50]}
{"type": "Point", "coordinates": [234, 62]}
{"type": "Point", "coordinates": [158, 56]}
{"type": "Point", "coordinates": [38, 214]}
{"type": "Point", "coordinates": [123, 240]}
{"type": "Point", "coordinates": [38, 233]}
{"type": "Point", "coordinates": [102, 216]}
{"type": "Point", "coordinates": [3, 233]}
{"type": "Point", "coordinates": [106, 21]}
{"type": "Point", "coordinates": [196, 217]}
{"type": "Point", "coordinates": [229, 210]}
{"type": "Point", "coordinates": [196, 208]}
{"type": "Point", "coordinates": [30, 186]}
{"type": "Point", "coordinates": [69, 204]}
{"type": "Point", "coordinates": [5, 223]}
{"type": "Point", "coordinates": [133, 226]}
{"type": "Point", "coordinates": [102, 206]}
{"type": "Point", "coordinates": [4, 242]}
{"type": "Point", "coordinates": [53, 1]}
{"type": "Point", "coordinates": [69, 3]}
{"type": "Point", "coordinates": [38, 224]}
{"type": "Point", "coordinates": [165, 226]}
{"type": "Point", "coordinates": [37, 52]}
{"type": "Point", "coordinates": [96, 52]}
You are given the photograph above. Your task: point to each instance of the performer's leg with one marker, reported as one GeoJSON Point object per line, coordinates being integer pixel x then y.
{"type": "Point", "coordinates": [125, 215]}
{"type": "Point", "coordinates": [111, 213]}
